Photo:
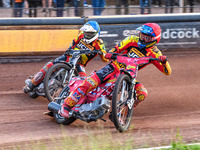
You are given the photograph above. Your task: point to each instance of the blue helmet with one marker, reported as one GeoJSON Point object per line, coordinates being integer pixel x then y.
{"type": "Point", "coordinates": [91, 31]}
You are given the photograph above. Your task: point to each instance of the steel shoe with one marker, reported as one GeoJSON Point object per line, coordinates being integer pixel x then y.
{"type": "Point", "coordinates": [29, 86]}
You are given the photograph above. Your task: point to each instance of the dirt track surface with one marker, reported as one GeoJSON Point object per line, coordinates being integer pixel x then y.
{"type": "Point", "coordinates": [172, 104]}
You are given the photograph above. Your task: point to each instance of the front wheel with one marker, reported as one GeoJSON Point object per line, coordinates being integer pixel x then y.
{"type": "Point", "coordinates": [54, 80]}
{"type": "Point", "coordinates": [121, 114]}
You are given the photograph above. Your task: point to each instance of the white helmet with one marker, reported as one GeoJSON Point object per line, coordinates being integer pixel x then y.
{"type": "Point", "coordinates": [91, 31]}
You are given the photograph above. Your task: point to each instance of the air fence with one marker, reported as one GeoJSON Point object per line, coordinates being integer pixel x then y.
{"type": "Point", "coordinates": [52, 35]}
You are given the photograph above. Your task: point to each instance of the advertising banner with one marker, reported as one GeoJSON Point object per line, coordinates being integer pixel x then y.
{"type": "Point", "coordinates": [35, 41]}
{"type": "Point", "coordinates": [28, 36]}
{"type": "Point", "coordinates": [176, 35]}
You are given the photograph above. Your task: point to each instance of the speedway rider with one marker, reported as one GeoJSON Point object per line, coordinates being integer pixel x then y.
{"type": "Point", "coordinates": [87, 39]}
{"type": "Point", "coordinates": [133, 46]}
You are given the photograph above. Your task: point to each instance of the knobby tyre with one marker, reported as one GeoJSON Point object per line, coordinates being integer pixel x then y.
{"type": "Point", "coordinates": [121, 114]}
{"type": "Point", "coordinates": [53, 81]}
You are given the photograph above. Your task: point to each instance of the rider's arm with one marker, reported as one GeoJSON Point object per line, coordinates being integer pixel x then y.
{"type": "Point", "coordinates": [164, 67]}
{"type": "Point", "coordinates": [124, 45]}
{"type": "Point", "coordinates": [76, 40]}
{"type": "Point", "coordinates": [102, 49]}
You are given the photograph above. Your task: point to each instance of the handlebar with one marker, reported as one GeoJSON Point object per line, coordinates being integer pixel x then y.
{"type": "Point", "coordinates": [79, 52]}
{"type": "Point", "coordinates": [115, 55]}
{"type": "Point", "coordinates": [152, 59]}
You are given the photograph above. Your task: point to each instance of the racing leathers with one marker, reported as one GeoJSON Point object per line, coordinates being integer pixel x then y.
{"type": "Point", "coordinates": [127, 46]}
{"type": "Point", "coordinates": [77, 44]}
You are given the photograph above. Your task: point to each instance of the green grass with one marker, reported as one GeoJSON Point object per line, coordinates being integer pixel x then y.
{"type": "Point", "coordinates": [178, 144]}
{"type": "Point", "coordinates": [96, 141]}
{"type": "Point", "coordinates": [86, 142]}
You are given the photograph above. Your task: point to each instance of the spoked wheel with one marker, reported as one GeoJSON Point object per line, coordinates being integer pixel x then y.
{"type": "Point", "coordinates": [121, 114]}
{"type": "Point", "coordinates": [54, 80]}
{"type": "Point", "coordinates": [58, 118]}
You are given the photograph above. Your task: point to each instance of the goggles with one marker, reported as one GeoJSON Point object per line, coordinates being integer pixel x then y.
{"type": "Point", "coordinates": [89, 35]}
{"type": "Point", "coordinates": [146, 38]}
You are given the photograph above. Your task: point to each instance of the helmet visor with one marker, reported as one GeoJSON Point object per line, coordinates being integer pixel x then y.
{"type": "Point", "coordinates": [89, 35]}
{"type": "Point", "coordinates": [146, 30]}
{"type": "Point", "coordinates": [146, 38]}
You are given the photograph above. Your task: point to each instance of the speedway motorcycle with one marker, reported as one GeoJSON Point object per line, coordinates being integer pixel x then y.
{"type": "Point", "coordinates": [59, 75]}
{"type": "Point", "coordinates": [116, 95]}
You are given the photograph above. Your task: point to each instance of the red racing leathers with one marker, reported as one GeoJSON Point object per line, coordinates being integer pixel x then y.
{"type": "Point", "coordinates": [77, 43]}
{"type": "Point", "coordinates": [127, 46]}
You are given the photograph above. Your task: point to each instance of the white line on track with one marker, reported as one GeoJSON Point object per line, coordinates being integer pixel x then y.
{"type": "Point", "coordinates": [158, 148]}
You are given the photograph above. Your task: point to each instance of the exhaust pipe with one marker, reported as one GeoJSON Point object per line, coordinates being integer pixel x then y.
{"type": "Point", "coordinates": [54, 107]}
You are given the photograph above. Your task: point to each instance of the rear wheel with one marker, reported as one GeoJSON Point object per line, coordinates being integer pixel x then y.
{"type": "Point", "coordinates": [59, 118]}
{"type": "Point", "coordinates": [53, 81]}
{"type": "Point", "coordinates": [121, 114]}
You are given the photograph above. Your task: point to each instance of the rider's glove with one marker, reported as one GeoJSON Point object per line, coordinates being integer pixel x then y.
{"type": "Point", "coordinates": [110, 56]}
{"type": "Point", "coordinates": [67, 52]}
{"type": "Point", "coordinates": [162, 58]}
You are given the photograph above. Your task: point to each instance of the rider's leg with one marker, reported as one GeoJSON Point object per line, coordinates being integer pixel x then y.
{"type": "Point", "coordinates": [38, 77]}
{"type": "Point", "coordinates": [141, 92]}
{"type": "Point", "coordinates": [81, 70]}
{"type": "Point", "coordinates": [89, 84]}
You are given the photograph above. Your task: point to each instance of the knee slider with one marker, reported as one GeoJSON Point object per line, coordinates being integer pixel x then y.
{"type": "Point", "coordinates": [38, 78]}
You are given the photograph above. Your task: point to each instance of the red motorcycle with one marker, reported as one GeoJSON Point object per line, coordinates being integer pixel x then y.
{"type": "Point", "coordinates": [118, 90]}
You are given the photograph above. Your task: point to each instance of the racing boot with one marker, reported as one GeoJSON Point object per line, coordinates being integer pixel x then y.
{"type": "Point", "coordinates": [29, 86]}
{"type": "Point", "coordinates": [70, 102]}
{"type": "Point", "coordinates": [64, 110]}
